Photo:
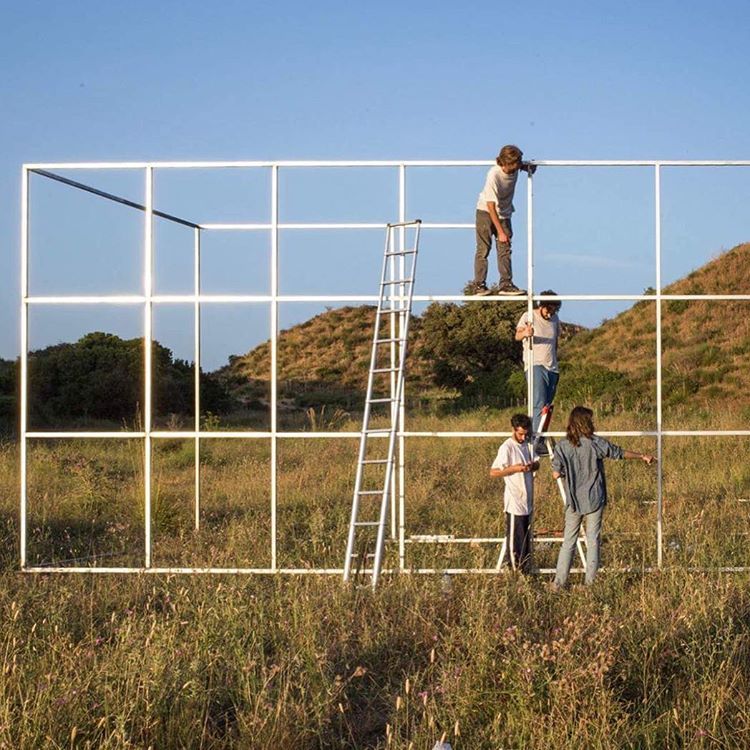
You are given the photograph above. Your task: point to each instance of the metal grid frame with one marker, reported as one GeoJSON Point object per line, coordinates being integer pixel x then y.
{"type": "Point", "coordinates": [148, 299]}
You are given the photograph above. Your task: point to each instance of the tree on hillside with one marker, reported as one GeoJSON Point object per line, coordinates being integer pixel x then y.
{"type": "Point", "coordinates": [471, 348]}
{"type": "Point", "coordinates": [101, 377]}
{"type": "Point", "coordinates": [8, 385]}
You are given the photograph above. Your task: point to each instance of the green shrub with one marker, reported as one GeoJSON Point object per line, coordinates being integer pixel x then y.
{"type": "Point", "coordinates": [101, 377]}
{"type": "Point", "coordinates": [594, 383]}
{"type": "Point", "coordinates": [471, 346]}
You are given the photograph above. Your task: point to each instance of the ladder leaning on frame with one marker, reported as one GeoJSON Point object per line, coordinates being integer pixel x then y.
{"type": "Point", "coordinates": [368, 519]}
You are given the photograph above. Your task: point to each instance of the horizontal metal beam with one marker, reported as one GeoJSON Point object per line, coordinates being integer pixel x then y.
{"type": "Point", "coordinates": [389, 163]}
{"type": "Point", "coordinates": [339, 571]}
{"type": "Point", "coordinates": [84, 435]}
{"type": "Point", "coordinates": [134, 299]}
{"type": "Point", "coordinates": [252, 226]}
{"type": "Point", "coordinates": [178, 571]}
{"type": "Point", "coordinates": [474, 540]}
{"type": "Point", "coordinates": [253, 435]}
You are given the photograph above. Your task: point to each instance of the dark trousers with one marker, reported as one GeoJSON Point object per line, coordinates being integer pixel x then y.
{"type": "Point", "coordinates": [485, 232]}
{"type": "Point", "coordinates": [518, 536]}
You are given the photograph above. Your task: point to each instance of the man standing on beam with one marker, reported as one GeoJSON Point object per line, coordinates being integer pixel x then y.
{"type": "Point", "coordinates": [494, 209]}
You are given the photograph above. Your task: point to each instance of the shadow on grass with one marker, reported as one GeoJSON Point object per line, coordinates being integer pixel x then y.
{"type": "Point", "coordinates": [60, 543]}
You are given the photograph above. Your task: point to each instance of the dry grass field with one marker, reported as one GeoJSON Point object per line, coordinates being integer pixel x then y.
{"type": "Point", "coordinates": [642, 659]}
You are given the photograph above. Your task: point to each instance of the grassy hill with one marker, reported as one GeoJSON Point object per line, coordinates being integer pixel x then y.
{"type": "Point", "coordinates": [323, 360]}
{"type": "Point", "coordinates": [326, 359]}
{"type": "Point", "coordinates": [704, 344]}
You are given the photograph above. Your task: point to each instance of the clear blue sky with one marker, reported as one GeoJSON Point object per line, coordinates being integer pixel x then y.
{"type": "Point", "coordinates": [90, 81]}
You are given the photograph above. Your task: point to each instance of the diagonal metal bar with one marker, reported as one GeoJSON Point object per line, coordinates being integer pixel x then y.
{"type": "Point", "coordinates": [112, 197]}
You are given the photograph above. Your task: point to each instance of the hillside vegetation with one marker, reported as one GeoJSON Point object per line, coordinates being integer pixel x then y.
{"type": "Point", "coordinates": [705, 344]}
{"type": "Point", "coordinates": [325, 359]}
{"type": "Point", "coordinates": [99, 378]}
{"type": "Point", "coordinates": [464, 352]}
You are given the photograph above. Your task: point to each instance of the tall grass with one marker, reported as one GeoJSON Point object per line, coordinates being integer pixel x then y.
{"type": "Point", "coordinates": [639, 660]}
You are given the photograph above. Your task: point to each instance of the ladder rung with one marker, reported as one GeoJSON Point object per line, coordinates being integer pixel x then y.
{"type": "Point", "coordinates": [368, 554]}
{"type": "Point", "coordinates": [370, 492]}
{"type": "Point", "coordinates": [396, 281]}
{"type": "Point", "coordinates": [401, 252]}
{"type": "Point", "coordinates": [376, 461]}
{"type": "Point", "coordinates": [389, 341]}
{"type": "Point", "coordinates": [367, 523]}
{"type": "Point", "coordinates": [386, 369]}
{"type": "Point", "coordinates": [377, 429]}
{"type": "Point", "coordinates": [381, 400]}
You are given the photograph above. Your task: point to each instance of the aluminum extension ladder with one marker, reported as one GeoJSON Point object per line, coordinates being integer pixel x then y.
{"type": "Point", "coordinates": [544, 420]}
{"type": "Point", "coordinates": [375, 471]}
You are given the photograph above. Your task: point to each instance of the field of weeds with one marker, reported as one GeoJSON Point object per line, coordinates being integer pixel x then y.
{"type": "Point", "coordinates": [642, 659]}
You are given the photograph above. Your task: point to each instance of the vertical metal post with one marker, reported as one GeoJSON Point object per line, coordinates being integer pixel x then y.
{"type": "Point", "coordinates": [274, 350]}
{"type": "Point", "coordinates": [530, 282]}
{"type": "Point", "coordinates": [659, 442]}
{"type": "Point", "coordinates": [197, 370]}
{"type": "Point", "coordinates": [147, 352]}
{"type": "Point", "coordinates": [24, 356]}
{"type": "Point", "coordinates": [401, 407]}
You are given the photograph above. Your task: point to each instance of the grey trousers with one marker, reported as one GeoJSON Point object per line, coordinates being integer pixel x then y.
{"type": "Point", "coordinates": [485, 232]}
{"type": "Point", "coordinates": [573, 522]}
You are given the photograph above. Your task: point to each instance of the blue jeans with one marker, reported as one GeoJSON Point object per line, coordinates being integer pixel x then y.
{"type": "Point", "coordinates": [545, 387]}
{"type": "Point", "coordinates": [570, 538]}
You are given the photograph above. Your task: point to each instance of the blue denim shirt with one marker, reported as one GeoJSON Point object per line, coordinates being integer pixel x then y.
{"type": "Point", "coordinates": [583, 470]}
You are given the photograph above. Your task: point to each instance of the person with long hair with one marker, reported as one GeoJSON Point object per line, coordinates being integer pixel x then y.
{"type": "Point", "coordinates": [579, 459]}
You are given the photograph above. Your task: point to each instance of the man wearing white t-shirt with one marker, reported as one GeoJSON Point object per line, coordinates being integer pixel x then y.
{"type": "Point", "coordinates": [544, 333]}
{"type": "Point", "coordinates": [494, 209]}
{"type": "Point", "coordinates": [516, 465]}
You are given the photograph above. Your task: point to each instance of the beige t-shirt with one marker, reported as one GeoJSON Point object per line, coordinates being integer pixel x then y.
{"type": "Point", "coordinates": [498, 189]}
{"type": "Point", "coordinates": [546, 334]}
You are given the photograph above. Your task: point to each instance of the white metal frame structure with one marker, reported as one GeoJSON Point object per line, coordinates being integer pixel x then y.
{"type": "Point", "coordinates": [147, 299]}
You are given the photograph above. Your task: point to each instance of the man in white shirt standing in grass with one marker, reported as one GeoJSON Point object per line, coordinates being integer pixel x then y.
{"type": "Point", "coordinates": [494, 209]}
{"type": "Point", "coordinates": [516, 465]}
